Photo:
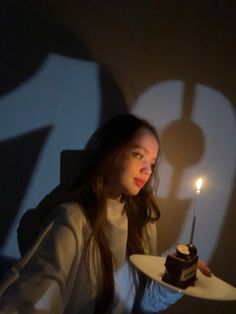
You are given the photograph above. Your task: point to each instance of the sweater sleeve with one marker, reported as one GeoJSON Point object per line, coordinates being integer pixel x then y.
{"type": "Point", "coordinates": [156, 297]}
{"type": "Point", "coordinates": [39, 285]}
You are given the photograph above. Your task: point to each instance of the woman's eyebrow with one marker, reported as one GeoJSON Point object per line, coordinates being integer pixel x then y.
{"type": "Point", "coordinates": [140, 147]}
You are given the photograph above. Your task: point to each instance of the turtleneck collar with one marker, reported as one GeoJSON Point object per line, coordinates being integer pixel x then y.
{"type": "Point", "coordinates": [114, 207]}
{"type": "Point", "coordinates": [116, 230]}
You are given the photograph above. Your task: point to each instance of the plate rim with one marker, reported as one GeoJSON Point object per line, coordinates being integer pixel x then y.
{"type": "Point", "coordinates": [189, 290]}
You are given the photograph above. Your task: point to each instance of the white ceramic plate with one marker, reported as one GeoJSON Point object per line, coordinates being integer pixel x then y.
{"type": "Point", "coordinates": [205, 287]}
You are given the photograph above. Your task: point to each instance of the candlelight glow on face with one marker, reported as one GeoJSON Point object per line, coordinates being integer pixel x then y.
{"type": "Point", "coordinates": [198, 185]}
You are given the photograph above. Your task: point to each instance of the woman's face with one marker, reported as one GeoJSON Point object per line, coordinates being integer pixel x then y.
{"type": "Point", "coordinates": [137, 167]}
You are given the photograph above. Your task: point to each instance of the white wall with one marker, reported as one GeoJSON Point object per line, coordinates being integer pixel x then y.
{"type": "Point", "coordinates": [214, 114]}
{"type": "Point", "coordinates": [65, 93]}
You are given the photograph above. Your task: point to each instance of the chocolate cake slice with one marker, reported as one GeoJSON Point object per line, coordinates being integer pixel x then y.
{"type": "Point", "coordinates": [181, 266]}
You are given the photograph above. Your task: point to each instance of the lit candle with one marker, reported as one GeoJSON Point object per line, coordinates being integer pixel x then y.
{"type": "Point", "coordinates": [198, 185]}
{"type": "Point", "coordinates": [195, 209]}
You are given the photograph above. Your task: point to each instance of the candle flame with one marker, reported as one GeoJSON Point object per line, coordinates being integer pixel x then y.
{"type": "Point", "coordinates": [199, 185]}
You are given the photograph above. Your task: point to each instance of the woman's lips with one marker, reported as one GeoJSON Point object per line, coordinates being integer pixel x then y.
{"type": "Point", "coordinates": [140, 183]}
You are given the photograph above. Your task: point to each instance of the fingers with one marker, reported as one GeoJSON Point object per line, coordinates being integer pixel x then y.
{"type": "Point", "coordinates": [203, 267]}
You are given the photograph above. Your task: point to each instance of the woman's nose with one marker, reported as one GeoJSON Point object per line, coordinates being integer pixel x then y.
{"type": "Point", "coordinates": [147, 168]}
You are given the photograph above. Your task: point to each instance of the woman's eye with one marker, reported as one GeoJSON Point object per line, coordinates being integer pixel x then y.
{"type": "Point", "coordinates": [137, 155]}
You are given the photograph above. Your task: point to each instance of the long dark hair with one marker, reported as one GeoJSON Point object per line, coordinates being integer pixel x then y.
{"type": "Point", "coordinates": [107, 147]}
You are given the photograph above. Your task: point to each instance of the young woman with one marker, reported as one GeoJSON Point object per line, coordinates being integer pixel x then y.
{"type": "Point", "coordinates": [80, 261]}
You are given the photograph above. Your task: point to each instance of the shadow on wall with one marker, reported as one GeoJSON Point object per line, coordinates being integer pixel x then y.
{"type": "Point", "coordinates": [28, 36]}
{"type": "Point", "coordinates": [112, 100]}
{"type": "Point", "coordinates": [176, 138]}
{"type": "Point", "coordinates": [200, 306]}
{"type": "Point", "coordinates": [178, 149]}
{"type": "Point", "coordinates": [226, 243]}
{"type": "Point", "coordinates": [73, 164]}
{"type": "Point", "coordinates": [18, 159]}
{"type": "Point", "coordinates": [29, 31]}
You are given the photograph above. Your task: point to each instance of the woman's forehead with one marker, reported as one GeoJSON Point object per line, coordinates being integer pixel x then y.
{"type": "Point", "coordinates": [146, 141]}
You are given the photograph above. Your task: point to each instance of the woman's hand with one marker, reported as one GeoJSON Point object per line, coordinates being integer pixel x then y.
{"type": "Point", "coordinates": [203, 267]}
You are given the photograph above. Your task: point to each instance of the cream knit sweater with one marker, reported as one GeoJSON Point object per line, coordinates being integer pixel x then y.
{"type": "Point", "coordinates": [52, 277]}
